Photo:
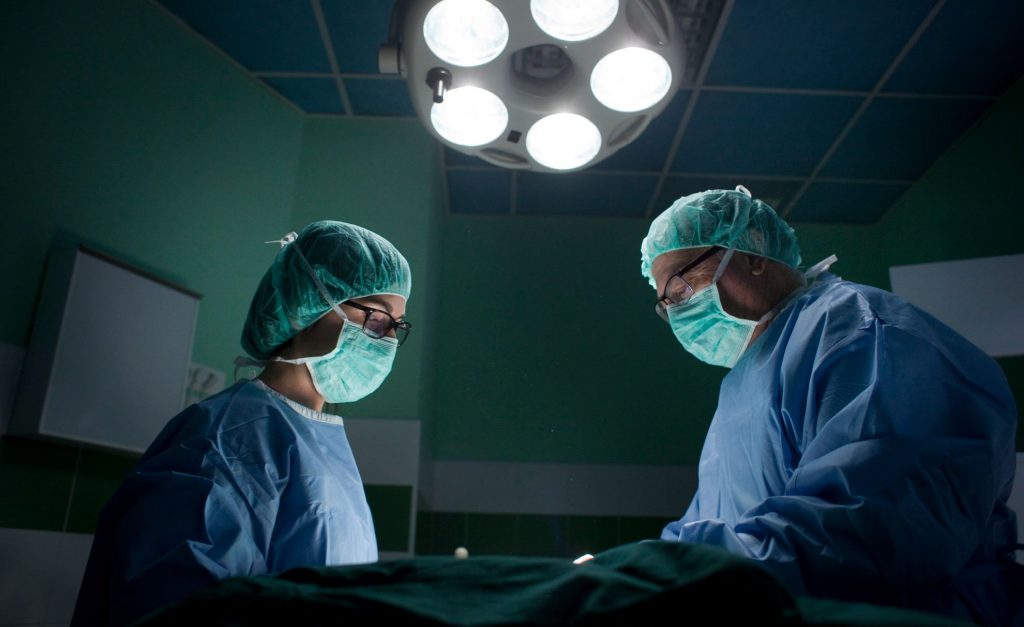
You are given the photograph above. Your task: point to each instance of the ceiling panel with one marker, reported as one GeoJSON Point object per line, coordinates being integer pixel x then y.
{"type": "Point", "coordinates": [972, 47]}
{"type": "Point", "coordinates": [756, 133]}
{"type": "Point", "coordinates": [357, 28]}
{"type": "Point", "coordinates": [856, 203]}
{"type": "Point", "coordinates": [312, 95]}
{"type": "Point", "coordinates": [898, 138]}
{"type": "Point", "coordinates": [379, 96]}
{"type": "Point", "coordinates": [262, 35]}
{"type": "Point", "coordinates": [813, 44]}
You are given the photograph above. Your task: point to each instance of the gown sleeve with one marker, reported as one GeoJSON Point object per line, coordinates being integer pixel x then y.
{"type": "Point", "coordinates": [903, 453]}
{"type": "Point", "coordinates": [181, 521]}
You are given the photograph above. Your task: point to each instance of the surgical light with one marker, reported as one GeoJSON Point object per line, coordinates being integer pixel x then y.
{"type": "Point", "coordinates": [631, 79]}
{"type": "Point", "coordinates": [574, 20]}
{"type": "Point", "coordinates": [545, 85]}
{"type": "Point", "coordinates": [469, 116]}
{"type": "Point", "coordinates": [465, 33]}
{"type": "Point", "coordinates": [563, 141]}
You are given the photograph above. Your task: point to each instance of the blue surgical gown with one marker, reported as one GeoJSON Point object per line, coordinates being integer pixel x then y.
{"type": "Point", "coordinates": [246, 482]}
{"type": "Point", "coordinates": [862, 450]}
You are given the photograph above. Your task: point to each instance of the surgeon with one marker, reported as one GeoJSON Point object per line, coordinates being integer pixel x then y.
{"type": "Point", "coordinates": [861, 450]}
{"type": "Point", "coordinates": [259, 479]}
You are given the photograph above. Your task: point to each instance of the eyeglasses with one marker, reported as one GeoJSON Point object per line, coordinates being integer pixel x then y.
{"type": "Point", "coordinates": [378, 323]}
{"type": "Point", "coordinates": [677, 290]}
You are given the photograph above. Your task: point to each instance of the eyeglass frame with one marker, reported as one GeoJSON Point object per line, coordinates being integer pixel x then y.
{"type": "Point", "coordinates": [664, 302]}
{"type": "Point", "coordinates": [397, 325]}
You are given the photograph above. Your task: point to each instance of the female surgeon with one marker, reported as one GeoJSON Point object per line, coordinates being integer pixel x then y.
{"type": "Point", "coordinates": [258, 479]}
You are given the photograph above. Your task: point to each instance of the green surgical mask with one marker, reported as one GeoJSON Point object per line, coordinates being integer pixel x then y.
{"type": "Point", "coordinates": [709, 332]}
{"type": "Point", "coordinates": [358, 364]}
{"type": "Point", "coordinates": [354, 369]}
{"type": "Point", "coordinates": [713, 335]}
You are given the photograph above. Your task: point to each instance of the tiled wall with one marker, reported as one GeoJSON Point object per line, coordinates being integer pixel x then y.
{"type": "Point", "coordinates": [54, 487]}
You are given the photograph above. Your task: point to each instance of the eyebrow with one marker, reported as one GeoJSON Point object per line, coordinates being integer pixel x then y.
{"type": "Point", "coordinates": [380, 304]}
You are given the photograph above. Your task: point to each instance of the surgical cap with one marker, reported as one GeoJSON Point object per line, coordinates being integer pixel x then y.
{"type": "Point", "coordinates": [349, 260]}
{"type": "Point", "coordinates": [724, 218]}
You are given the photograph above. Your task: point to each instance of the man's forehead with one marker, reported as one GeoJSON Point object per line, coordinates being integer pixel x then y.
{"type": "Point", "coordinates": [675, 259]}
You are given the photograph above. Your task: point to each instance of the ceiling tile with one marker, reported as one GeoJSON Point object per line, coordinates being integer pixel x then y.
{"type": "Point", "coordinates": [774, 192]}
{"type": "Point", "coordinates": [584, 193]}
{"type": "Point", "coordinates": [899, 138]}
{"type": "Point", "coordinates": [767, 134]}
{"type": "Point", "coordinates": [649, 151]}
{"type": "Point", "coordinates": [262, 35]}
{"type": "Point", "coordinates": [857, 203]}
{"type": "Point", "coordinates": [972, 47]}
{"type": "Point", "coordinates": [357, 29]}
{"type": "Point", "coordinates": [312, 95]}
{"type": "Point", "coordinates": [479, 191]}
{"type": "Point", "coordinates": [833, 44]}
{"type": "Point", "coordinates": [379, 96]}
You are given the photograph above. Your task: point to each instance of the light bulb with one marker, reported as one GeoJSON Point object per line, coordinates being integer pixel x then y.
{"type": "Point", "coordinates": [574, 20]}
{"type": "Point", "coordinates": [631, 79]}
{"type": "Point", "coordinates": [563, 141]}
{"type": "Point", "coordinates": [465, 32]}
{"type": "Point", "coordinates": [469, 116]}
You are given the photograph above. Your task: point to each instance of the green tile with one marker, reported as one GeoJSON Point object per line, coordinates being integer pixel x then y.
{"type": "Point", "coordinates": [424, 525]}
{"type": "Point", "coordinates": [448, 531]}
{"type": "Point", "coordinates": [99, 475]}
{"type": "Point", "coordinates": [543, 536]}
{"type": "Point", "coordinates": [491, 534]}
{"type": "Point", "coordinates": [391, 506]}
{"type": "Point", "coordinates": [592, 534]}
{"type": "Point", "coordinates": [36, 480]}
{"type": "Point", "coordinates": [637, 528]}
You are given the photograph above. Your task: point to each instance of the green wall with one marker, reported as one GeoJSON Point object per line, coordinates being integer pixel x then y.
{"type": "Point", "coordinates": [384, 175]}
{"type": "Point", "coordinates": [124, 131]}
{"type": "Point", "coordinates": [562, 359]}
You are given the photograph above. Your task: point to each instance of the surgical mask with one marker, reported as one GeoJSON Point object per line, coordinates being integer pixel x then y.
{"type": "Point", "coordinates": [355, 368]}
{"type": "Point", "coordinates": [358, 364]}
{"type": "Point", "coordinates": [713, 335]}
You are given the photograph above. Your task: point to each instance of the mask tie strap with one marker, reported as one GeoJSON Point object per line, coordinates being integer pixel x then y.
{"type": "Point", "coordinates": [290, 238]}
{"type": "Point", "coordinates": [721, 267]}
{"type": "Point", "coordinates": [821, 266]}
{"type": "Point", "coordinates": [245, 362]}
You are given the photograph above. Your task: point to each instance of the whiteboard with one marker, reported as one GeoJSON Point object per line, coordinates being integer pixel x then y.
{"type": "Point", "coordinates": [982, 299]}
{"type": "Point", "coordinates": [108, 360]}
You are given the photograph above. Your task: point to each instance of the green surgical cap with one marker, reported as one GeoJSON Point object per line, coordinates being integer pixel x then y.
{"type": "Point", "coordinates": [724, 218]}
{"type": "Point", "coordinates": [349, 260]}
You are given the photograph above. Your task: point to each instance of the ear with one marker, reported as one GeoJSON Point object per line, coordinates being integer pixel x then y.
{"type": "Point", "coordinates": [757, 264]}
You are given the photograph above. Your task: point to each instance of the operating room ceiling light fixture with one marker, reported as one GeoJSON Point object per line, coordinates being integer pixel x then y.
{"type": "Point", "coordinates": [546, 85]}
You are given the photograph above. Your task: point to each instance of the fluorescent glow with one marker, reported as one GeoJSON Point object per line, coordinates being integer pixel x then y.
{"type": "Point", "coordinates": [465, 32]}
{"type": "Point", "coordinates": [631, 79]}
{"type": "Point", "coordinates": [469, 116]}
{"type": "Point", "coordinates": [563, 141]}
{"type": "Point", "coordinates": [574, 20]}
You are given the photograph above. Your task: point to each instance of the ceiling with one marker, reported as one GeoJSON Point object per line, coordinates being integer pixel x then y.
{"type": "Point", "coordinates": [827, 109]}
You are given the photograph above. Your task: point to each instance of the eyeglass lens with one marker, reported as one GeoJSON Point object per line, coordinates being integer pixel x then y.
{"type": "Point", "coordinates": [378, 324]}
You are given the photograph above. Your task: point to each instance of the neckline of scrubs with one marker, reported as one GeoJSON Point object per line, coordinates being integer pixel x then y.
{"type": "Point", "coordinates": [786, 304]}
{"type": "Point", "coordinates": [307, 412]}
